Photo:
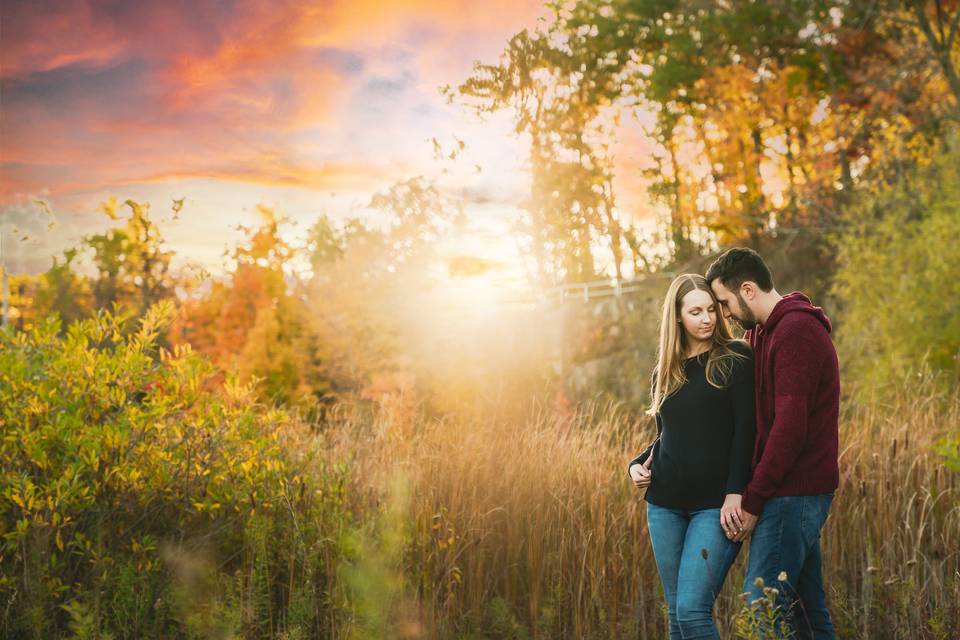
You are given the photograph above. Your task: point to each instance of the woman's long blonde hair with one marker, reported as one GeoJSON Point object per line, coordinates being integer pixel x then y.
{"type": "Point", "coordinates": [668, 375]}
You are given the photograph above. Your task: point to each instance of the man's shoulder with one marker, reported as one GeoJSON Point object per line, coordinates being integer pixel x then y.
{"type": "Point", "coordinates": [803, 336]}
{"type": "Point", "coordinates": [799, 325]}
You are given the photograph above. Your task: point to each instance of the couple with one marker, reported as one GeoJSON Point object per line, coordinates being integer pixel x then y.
{"type": "Point", "coordinates": [746, 445]}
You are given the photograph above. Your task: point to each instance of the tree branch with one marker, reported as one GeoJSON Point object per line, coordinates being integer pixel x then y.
{"type": "Point", "coordinates": [939, 7]}
{"type": "Point", "coordinates": [953, 29]}
{"type": "Point", "coordinates": [940, 53]}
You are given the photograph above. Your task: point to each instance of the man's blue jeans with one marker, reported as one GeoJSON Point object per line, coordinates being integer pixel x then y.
{"type": "Point", "coordinates": [787, 539]}
{"type": "Point", "coordinates": [693, 556]}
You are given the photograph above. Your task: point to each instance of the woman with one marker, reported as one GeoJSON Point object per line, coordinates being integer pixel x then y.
{"type": "Point", "coordinates": [696, 469]}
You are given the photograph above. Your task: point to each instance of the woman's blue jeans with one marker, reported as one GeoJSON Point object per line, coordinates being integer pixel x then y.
{"type": "Point", "coordinates": [693, 556]}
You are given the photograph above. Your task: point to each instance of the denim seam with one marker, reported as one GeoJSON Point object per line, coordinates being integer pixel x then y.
{"type": "Point", "coordinates": [784, 597]}
{"type": "Point", "coordinates": [803, 524]}
{"type": "Point", "coordinates": [779, 556]}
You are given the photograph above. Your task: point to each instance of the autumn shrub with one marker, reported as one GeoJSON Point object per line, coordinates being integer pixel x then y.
{"type": "Point", "coordinates": [135, 502]}
{"type": "Point", "coordinates": [897, 281]}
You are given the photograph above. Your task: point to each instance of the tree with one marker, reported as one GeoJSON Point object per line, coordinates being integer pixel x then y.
{"type": "Point", "coordinates": [254, 324]}
{"type": "Point", "coordinates": [563, 112]}
{"type": "Point", "coordinates": [133, 267]}
{"type": "Point", "coordinates": [418, 215]}
{"type": "Point", "coordinates": [62, 291]}
{"type": "Point", "coordinates": [939, 22]}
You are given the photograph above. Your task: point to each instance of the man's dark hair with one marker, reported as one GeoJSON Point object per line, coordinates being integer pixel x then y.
{"type": "Point", "coordinates": [736, 266]}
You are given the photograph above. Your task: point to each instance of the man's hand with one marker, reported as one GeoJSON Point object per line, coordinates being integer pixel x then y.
{"type": "Point", "coordinates": [749, 521]}
{"type": "Point", "coordinates": [641, 474]}
{"type": "Point", "coordinates": [731, 515]}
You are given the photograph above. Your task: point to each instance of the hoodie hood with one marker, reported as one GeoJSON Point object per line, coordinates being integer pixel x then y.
{"type": "Point", "coordinates": [795, 302]}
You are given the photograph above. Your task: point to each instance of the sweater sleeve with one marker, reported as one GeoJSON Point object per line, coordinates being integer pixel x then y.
{"type": "Point", "coordinates": [796, 363]}
{"type": "Point", "coordinates": [743, 401]}
{"type": "Point", "coordinates": [640, 459]}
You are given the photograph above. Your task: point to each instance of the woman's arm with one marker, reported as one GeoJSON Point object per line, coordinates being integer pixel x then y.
{"type": "Point", "coordinates": [644, 457]}
{"type": "Point", "coordinates": [743, 401]}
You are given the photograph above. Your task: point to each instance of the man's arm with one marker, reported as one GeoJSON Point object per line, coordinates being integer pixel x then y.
{"type": "Point", "coordinates": [796, 371]}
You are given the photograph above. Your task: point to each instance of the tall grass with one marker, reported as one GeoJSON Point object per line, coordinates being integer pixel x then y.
{"type": "Point", "coordinates": [534, 530]}
{"type": "Point", "coordinates": [137, 503]}
{"type": "Point", "coordinates": [893, 540]}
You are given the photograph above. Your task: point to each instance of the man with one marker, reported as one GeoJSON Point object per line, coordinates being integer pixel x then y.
{"type": "Point", "coordinates": [795, 466]}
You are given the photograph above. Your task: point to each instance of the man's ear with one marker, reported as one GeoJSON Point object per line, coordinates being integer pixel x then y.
{"type": "Point", "coordinates": [748, 290]}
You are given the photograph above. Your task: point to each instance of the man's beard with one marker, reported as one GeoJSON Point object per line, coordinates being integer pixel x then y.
{"type": "Point", "coordinates": [748, 321]}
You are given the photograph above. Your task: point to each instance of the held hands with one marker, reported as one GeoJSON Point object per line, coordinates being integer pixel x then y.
{"type": "Point", "coordinates": [641, 473]}
{"type": "Point", "coordinates": [731, 516]}
{"type": "Point", "coordinates": [736, 522]}
{"type": "Point", "coordinates": [749, 522]}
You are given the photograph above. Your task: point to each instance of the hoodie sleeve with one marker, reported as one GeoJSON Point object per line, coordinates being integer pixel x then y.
{"type": "Point", "coordinates": [796, 363]}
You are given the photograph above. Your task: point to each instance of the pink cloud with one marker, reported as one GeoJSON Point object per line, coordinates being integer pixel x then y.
{"type": "Point", "coordinates": [100, 94]}
{"type": "Point", "coordinates": [37, 42]}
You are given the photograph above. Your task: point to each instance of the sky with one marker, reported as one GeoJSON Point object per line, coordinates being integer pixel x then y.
{"type": "Point", "coordinates": [309, 107]}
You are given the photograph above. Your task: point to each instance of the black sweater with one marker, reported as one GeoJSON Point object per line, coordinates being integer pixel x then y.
{"type": "Point", "coordinates": [705, 438]}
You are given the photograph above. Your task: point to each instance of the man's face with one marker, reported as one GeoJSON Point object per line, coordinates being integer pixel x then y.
{"type": "Point", "coordinates": [732, 305]}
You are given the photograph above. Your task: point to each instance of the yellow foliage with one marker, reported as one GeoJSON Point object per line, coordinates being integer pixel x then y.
{"type": "Point", "coordinates": [111, 445]}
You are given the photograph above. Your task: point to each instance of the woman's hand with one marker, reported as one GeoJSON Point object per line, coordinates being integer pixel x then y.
{"type": "Point", "coordinates": [731, 516]}
{"type": "Point", "coordinates": [641, 473]}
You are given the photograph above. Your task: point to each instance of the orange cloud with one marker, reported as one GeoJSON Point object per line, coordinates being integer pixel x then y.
{"type": "Point", "coordinates": [270, 31]}
{"type": "Point", "coordinates": [275, 172]}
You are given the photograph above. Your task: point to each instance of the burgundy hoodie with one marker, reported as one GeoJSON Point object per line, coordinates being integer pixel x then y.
{"type": "Point", "coordinates": [798, 402]}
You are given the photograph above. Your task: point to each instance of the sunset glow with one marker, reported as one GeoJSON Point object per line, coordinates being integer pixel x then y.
{"type": "Point", "coordinates": [311, 108]}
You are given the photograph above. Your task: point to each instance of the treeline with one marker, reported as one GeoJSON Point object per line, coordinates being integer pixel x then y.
{"type": "Point", "coordinates": [306, 323]}
{"type": "Point", "coordinates": [821, 133]}
{"type": "Point", "coordinates": [767, 116]}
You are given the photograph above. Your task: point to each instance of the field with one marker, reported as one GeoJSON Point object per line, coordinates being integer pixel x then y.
{"type": "Point", "coordinates": [190, 514]}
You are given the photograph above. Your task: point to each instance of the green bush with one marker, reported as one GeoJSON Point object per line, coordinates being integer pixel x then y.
{"type": "Point", "coordinates": [898, 278]}
{"type": "Point", "coordinates": [136, 501]}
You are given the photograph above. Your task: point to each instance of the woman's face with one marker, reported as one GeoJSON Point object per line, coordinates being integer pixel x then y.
{"type": "Point", "coordinates": [698, 315]}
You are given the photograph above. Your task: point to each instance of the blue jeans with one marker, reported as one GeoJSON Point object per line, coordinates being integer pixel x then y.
{"type": "Point", "coordinates": [693, 556]}
{"type": "Point", "coordinates": [787, 538]}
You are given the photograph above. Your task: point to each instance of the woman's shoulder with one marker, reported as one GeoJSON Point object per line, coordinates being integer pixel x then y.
{"type": "Point", "coordinates": [741, 348]}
